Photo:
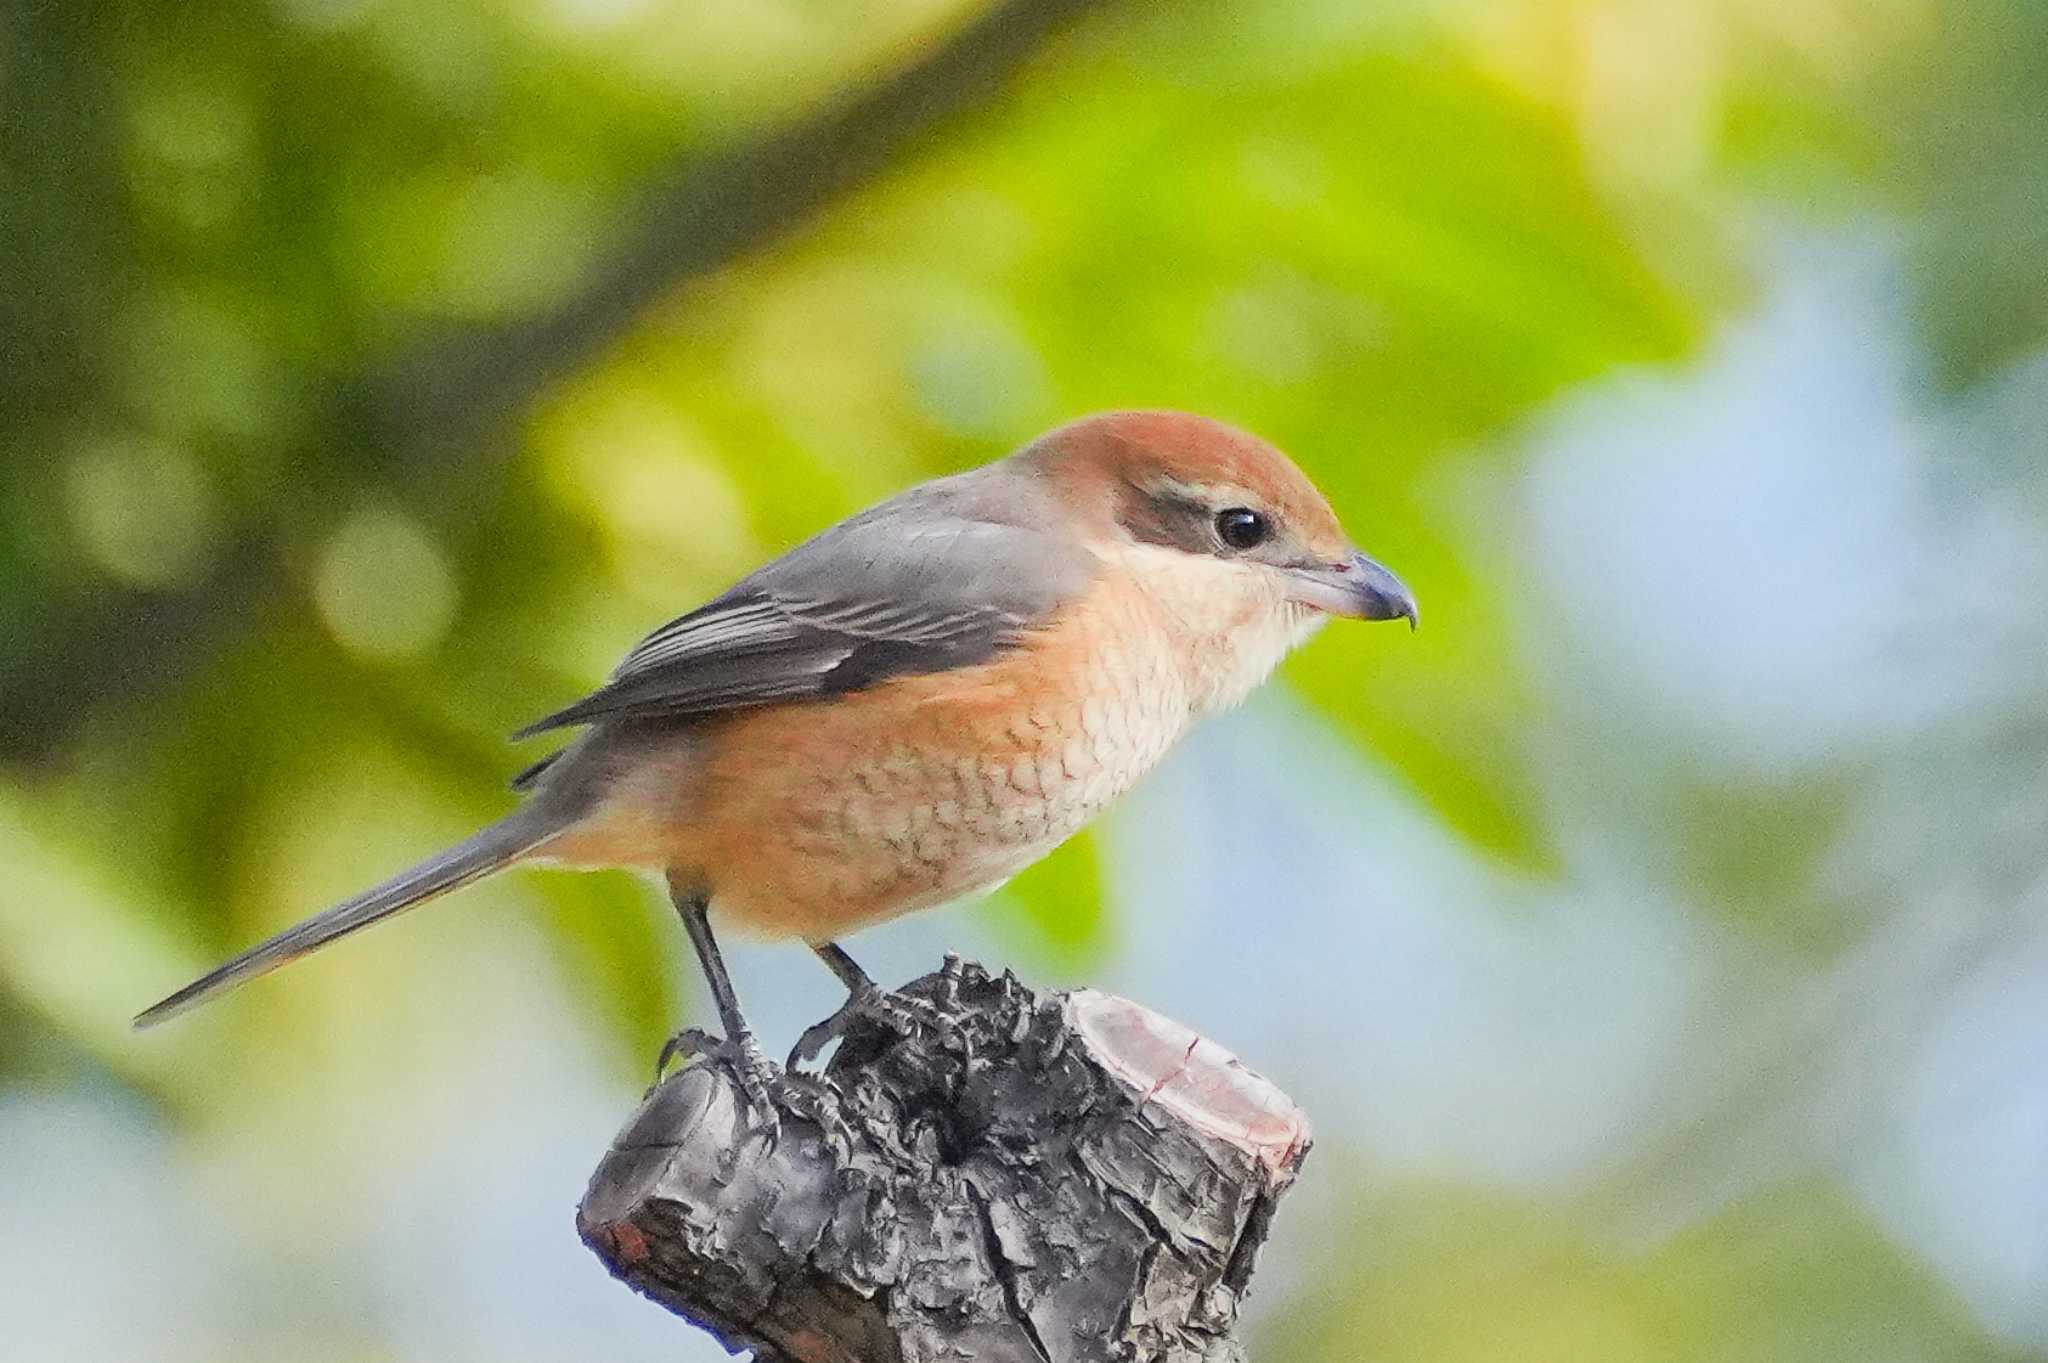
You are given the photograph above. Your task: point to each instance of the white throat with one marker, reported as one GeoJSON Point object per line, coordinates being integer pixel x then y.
{"type": "Point", "coordinates": [1231, 623]}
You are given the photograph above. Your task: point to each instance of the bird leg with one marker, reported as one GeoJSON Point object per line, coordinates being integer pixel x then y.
{"type": "Point", "coordinates": [865, 1000]}
{"type": "Point", "coordinates": [759, 1078]}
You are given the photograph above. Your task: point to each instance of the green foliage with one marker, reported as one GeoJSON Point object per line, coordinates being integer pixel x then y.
{"type": "Point", "coordinates": [1457, 1276]}
{"type": "Point", "coordinates": [1376, 252]}
{"type": "Point", "coordinates": [260, 639]}
{"type": "Point", "coordinates": [1328, 292]}
{"type": "Point", "coordinates": [1059, 906]}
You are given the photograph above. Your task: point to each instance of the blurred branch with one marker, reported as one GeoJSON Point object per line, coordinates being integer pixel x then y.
{"type": "Point", "coordinates": [119, 644]}
{"type": "Point", "coordinates": [442, 402]}
{"type": "Point", "coordinates": [59, 161]}
{"type": "Point", "coordinates": [1070, 1177]}
{"type": "Point", "coordinates": [453, 393]}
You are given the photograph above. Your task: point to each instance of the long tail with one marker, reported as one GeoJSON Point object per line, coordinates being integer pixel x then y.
{"type": "Point", "coordinates": [489, 849]}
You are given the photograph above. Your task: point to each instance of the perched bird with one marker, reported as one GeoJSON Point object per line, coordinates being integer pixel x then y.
{"type": "Point", "coordinates": [918, 702]}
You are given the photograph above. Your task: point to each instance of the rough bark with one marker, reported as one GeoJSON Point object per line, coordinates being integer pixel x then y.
{"type": "Point", "coordinates": [1068, 1179]}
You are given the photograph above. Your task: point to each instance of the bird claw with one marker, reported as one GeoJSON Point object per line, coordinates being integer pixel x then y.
{"type": "Point", "coordinates": [686, 1045]}
{"type": "Point", "coordinates": [903, 1014]}
{"type": "Point", "coordinates": [769, 1090]}
{"type": "Point", "coordinates": [757, 1075]}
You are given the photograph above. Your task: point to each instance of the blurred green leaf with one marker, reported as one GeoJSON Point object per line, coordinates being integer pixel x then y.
{"type": "Point", "coordinates": [1968, 126]}
{"type": "Point", "coordinates": [1344, 286]}
{"type": "Point", "coordinates": [1060, 906]}
{"type": "Point", "coordinates": [617, 954]}
{"type": "Point", "coordinates": [1458, 1276]}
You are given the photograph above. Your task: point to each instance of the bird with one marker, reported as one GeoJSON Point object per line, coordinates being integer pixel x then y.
{"type": "Point", "coordinates": [915, 704]}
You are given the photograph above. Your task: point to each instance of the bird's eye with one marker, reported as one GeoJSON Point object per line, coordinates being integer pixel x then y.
{"type": "Point", "coordinates": [1243, 528]}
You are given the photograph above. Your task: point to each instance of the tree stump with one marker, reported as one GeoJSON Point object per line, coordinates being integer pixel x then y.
{"type": "Point", "coordinates": [1066, 1179]}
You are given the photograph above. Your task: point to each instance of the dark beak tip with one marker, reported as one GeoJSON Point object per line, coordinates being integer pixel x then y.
{"type": "Point", "coordinates": [1358, 589]}
{"type": "Point", "coordinates": [1388, 596]}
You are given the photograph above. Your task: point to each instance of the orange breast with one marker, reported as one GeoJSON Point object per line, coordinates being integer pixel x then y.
{"type": "Point", "coordinates": [815, 819]}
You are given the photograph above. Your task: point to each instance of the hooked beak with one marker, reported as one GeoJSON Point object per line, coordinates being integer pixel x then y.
{"type": "Point", "coordinates": [1357, 588]}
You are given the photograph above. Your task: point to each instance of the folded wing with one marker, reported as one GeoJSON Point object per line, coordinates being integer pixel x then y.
{"type": "Point", "coordinates": [906, 588]}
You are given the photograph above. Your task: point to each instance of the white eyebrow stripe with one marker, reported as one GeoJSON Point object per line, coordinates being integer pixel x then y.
{"type": "Point", "coordinates": [1205, 494]}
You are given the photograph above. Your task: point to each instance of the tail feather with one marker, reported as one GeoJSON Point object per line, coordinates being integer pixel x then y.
{"type": "Point", "coordinates": [476, 856]}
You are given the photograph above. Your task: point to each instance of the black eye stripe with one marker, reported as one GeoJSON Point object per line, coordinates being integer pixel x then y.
{"type": "Point", "coordinates": [1190, 523]}
{"type": "Point", "coordinates": [1242, 528]}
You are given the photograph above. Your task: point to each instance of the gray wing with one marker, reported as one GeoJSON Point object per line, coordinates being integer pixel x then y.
{"type": "Point", "coordinates": [921, 584]}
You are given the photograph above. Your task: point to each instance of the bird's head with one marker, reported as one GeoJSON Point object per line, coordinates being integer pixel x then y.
{"type": "Point", "coordinates": [1196, 487]}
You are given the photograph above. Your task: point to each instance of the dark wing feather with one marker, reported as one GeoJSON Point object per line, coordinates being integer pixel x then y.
{"type": "Point", "coordinates": [921, 584]}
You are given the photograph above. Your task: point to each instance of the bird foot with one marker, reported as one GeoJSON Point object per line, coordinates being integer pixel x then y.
{"type": "Point", "coordinates": [901, 1013]}
{"type": "Point", "coordinates": [770, 1090]}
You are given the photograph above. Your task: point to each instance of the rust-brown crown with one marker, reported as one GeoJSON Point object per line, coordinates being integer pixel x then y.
{"type": "Point", "coordinates": [1109, 463]}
